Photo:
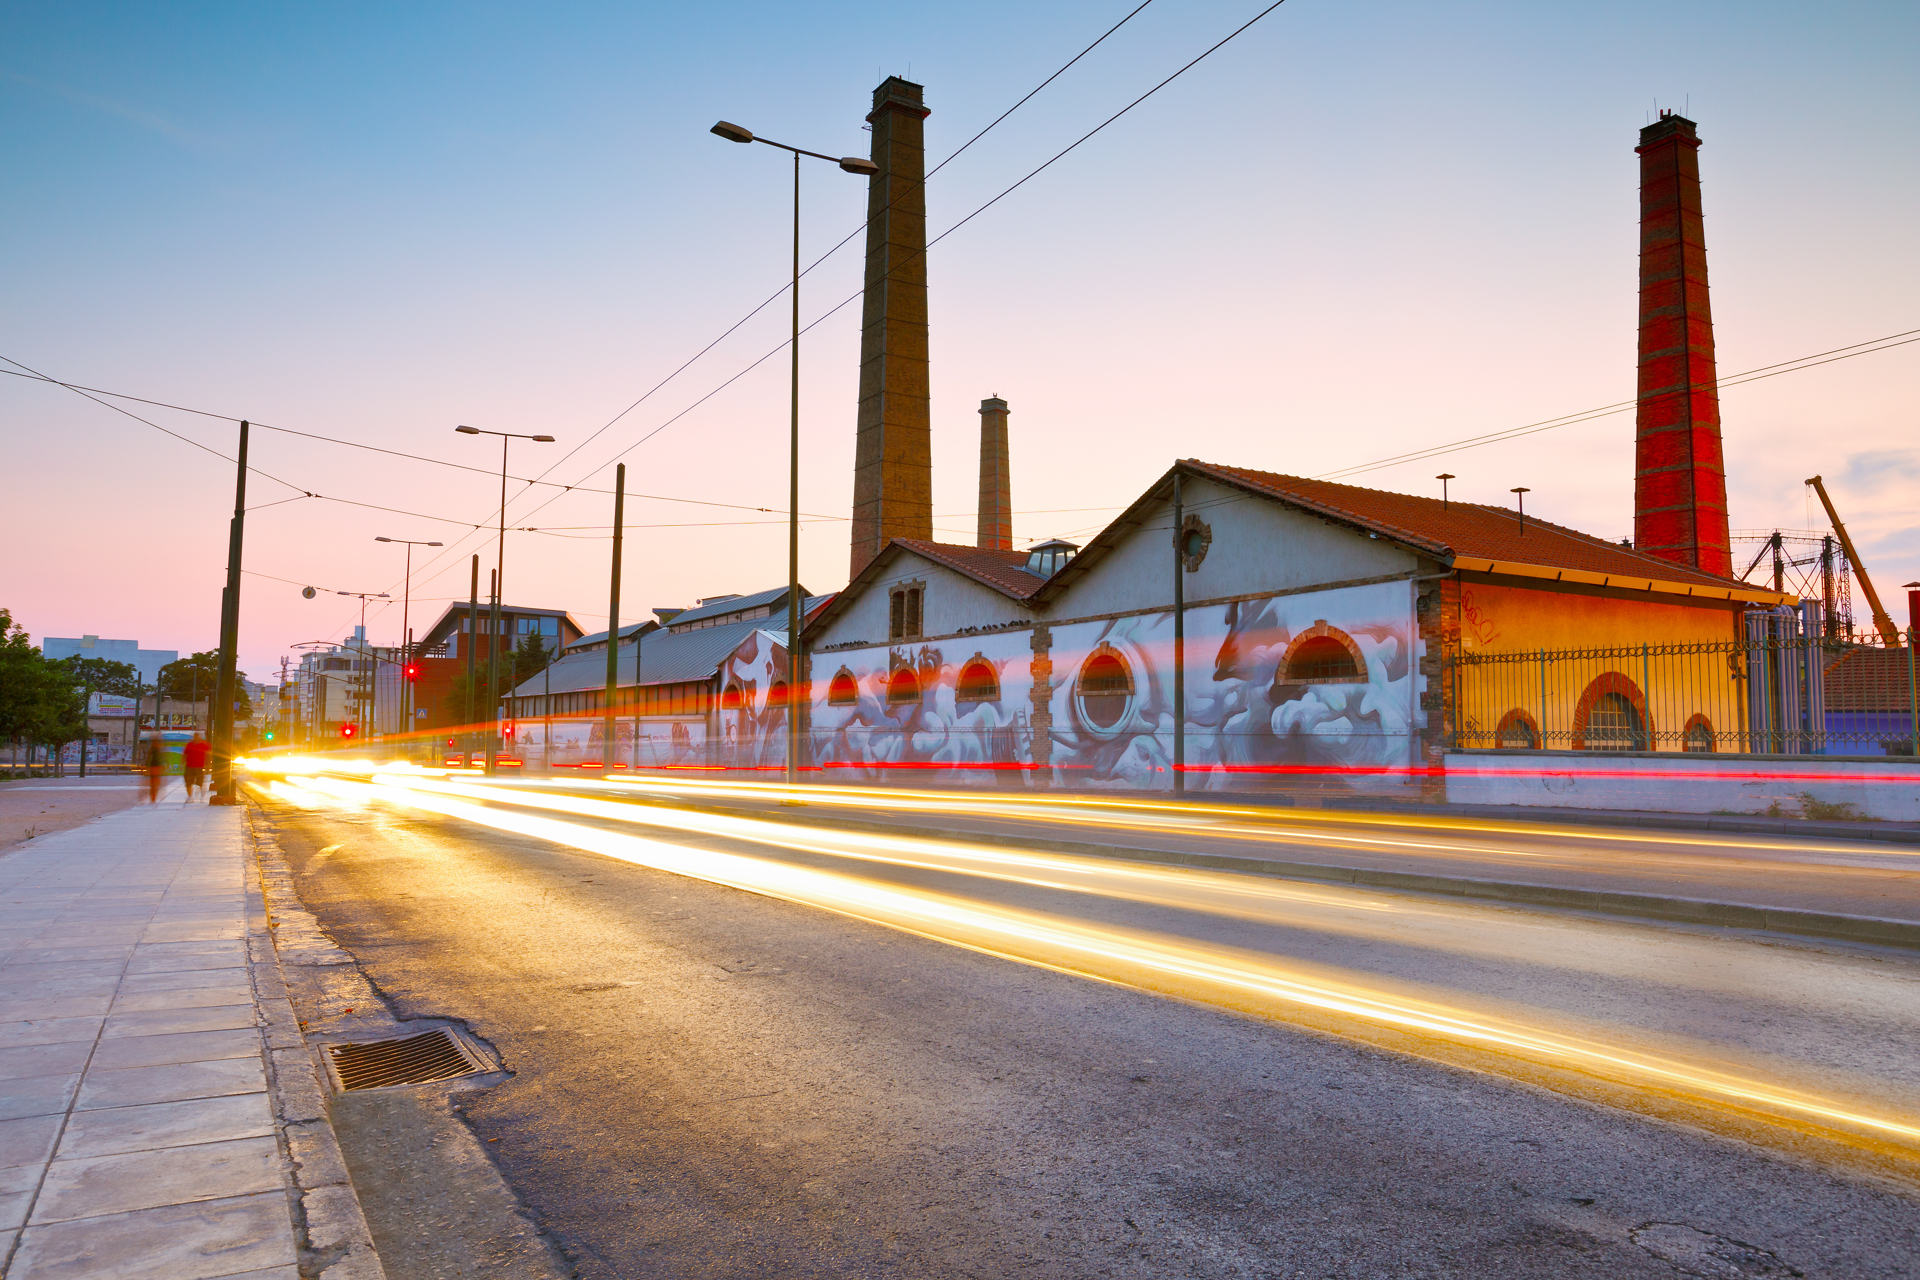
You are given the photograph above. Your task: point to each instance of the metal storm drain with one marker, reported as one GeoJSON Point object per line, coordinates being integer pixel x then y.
{"type": "Point", "coordinates": [375, 1064]}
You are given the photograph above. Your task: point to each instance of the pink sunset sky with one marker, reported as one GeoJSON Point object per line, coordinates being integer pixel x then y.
{"type": "Point", "coordinates": [1354, 231]}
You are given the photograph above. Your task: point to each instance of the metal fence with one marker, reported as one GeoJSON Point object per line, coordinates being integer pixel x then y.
{"type": "Point", "coordinates": [1786, 688]}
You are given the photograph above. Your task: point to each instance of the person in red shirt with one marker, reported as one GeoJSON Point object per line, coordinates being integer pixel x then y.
{"type": "Point", "coordinates": [193, 762]}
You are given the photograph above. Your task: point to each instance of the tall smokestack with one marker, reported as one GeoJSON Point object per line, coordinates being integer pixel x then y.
{"type": "Point", "coordinates": [892, 462]}
{"type": "Point", "coordinates": [1680, 482]}
{"type": "Point", "coordinates": [996, 499]}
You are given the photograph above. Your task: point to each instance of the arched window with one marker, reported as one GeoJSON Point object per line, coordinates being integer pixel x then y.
{"type": "Point", "coordinates": [1105, 688]}
{"type": "Point", "coordinates": [1517, 732]}
{"type": "Point", "coordinates": [903, 686]}
{"type": "Point", "coordinates": [730, 698]}
{"type": "Point", "coordinates": [1611, 716]}
{"type": "Point", "coordinates": [1322, 655]}
{"type": "Point", "coordinates": [1698, 735]}
{"type": "Point", "coordinates": [777, 696]}
{"type": "Point", "coordinates": [977, 682]}
{"type": "Point", "coordinates": [843, 690]}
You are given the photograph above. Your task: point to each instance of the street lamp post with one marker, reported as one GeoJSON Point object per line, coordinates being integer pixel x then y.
{"type": "Point", "coordinates": [369, 666]}
{"type": "Point", "coordinates": [406, 635]}
{"type": "Point", "coordinates": [499, 577]}
{"type": "Point", "coordinates": [867, 168]}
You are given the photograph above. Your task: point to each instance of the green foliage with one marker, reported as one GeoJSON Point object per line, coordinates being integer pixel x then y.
{"type": "Point", "coordinates": [197, 676]}
{"type": "Point", "coordinates": [530, 658]}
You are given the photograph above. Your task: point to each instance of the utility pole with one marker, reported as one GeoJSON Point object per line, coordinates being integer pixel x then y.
{"type": "Point", "coordinates": [223, 792]}
{"type": "Point", "coordinates": [493, 675]}
{"type": "Point", "coordinates": [1179, 644]}
{"type": "Point", "coordinates": [473, 638]}
{"type": "Point", "coordinates": [607, 756]}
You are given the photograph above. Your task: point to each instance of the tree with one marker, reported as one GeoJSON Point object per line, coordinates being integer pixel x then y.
{"type": "Point", "coordinates": [530, 657]}
{"type": "Point", "coordinates": [195, 679]}
{"type": "Point", "coordinates": [20, 680]}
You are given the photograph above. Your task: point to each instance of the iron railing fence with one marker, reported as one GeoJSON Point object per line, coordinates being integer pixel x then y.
{"type": "Point", "coordinates": [1785, 689]}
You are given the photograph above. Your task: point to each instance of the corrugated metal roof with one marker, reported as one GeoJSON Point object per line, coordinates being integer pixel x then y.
{"type": "Point", "coordinates": [666, 657]}
{"type": "Point", "coordinates": [757, 600]}
{"type": "Point", "coordinates": [626, 633]}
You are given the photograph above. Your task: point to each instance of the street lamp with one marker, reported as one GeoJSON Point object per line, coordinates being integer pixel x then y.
{"type": "Point", "coordinates": [852, 164]}
{"type": "Point", "coordinates": [369, 670]}
{"type": "Point", "coordinates": [499, 575]}
{"type": "Point", "coordinates": [406, 634]}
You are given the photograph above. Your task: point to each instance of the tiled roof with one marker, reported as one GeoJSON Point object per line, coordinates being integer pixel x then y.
{"type": "Point", "coordinates": [1004, 571]}
{"type": "Point", "coordinates": [1862, 679]}
{"type": "Point", "coordinates": [1463, 529]}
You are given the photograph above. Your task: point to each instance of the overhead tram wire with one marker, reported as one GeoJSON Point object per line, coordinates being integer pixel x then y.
{"type": "Point", "coordinates": [781, 292]}
{"type": "Point", "coordinates": [1871, 346]}
{"type": "Point", "coordinates": [357, 444]}
{"type": "Point", "coordinates": [851, 298]}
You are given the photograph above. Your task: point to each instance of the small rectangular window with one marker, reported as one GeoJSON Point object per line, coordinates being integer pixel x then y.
{"type": "Point", "coordinates": [904, 612]}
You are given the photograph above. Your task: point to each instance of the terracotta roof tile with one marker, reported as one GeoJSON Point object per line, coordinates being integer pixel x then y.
{"type": "Point", "coordinates": [1464, 529]}
{"type": "Point", "coordinates": [1004, 571]}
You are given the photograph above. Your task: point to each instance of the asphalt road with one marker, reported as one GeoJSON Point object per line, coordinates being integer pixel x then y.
{"type": "Point", "coordinates": [711, 1082]}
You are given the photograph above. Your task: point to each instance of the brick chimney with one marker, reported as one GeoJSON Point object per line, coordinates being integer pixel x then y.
{"type": "Point", "coordinates": [1680, 483]}
{"type": "Point", "coordinates": [892, 462]}
{"type": "Point", "coordinates": [996, 500]}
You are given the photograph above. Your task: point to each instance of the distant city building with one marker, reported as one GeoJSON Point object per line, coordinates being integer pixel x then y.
{"type": "Point", "coordinates": [146, 661]}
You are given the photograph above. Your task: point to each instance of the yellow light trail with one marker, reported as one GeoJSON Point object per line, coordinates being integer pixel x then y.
{"type": "Point", "coordinates": [1665, 1082]}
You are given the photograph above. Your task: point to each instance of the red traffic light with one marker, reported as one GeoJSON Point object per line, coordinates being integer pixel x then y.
{"type": "Point", "coordinates": [506, 729]}
{"type": "Point", "coordinates": [413, 672]}
{"type": "Point", "coordinates": [347, 730]}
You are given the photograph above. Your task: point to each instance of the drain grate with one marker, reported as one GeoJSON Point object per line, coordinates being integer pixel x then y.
{"type": "Point", "coordinates": [375, 1064]}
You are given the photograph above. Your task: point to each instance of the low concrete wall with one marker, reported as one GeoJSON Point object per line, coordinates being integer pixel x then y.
{"type": "Point", "coordinates": [1673, 782]}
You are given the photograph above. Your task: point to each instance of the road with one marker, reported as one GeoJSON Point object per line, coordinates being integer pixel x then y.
{"type": "Point", "coordinates": [747, 1047]}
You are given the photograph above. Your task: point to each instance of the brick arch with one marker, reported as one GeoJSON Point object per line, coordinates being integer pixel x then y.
{"type": "Point", "coordinates": [1698, 720]}
{"type": "Point", "coordinates": [1524, 718]}
{"type": "Point", "coordinates": [1601, 685]}
{"type": "Point", "coordinates": [1320, 631]}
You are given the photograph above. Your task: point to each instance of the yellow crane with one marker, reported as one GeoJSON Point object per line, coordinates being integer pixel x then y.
{"type": "Point", "coordinates": [1881, 622]}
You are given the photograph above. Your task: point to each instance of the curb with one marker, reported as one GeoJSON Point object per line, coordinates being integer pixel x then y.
{"type": "Point", "coordinates": [1875, 930]}
{"type": "Point", "coordinates": [334, 1241]}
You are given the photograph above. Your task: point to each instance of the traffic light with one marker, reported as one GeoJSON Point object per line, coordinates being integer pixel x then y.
{"type": "Point", "coordinates": [348, 730]}
{"type": "Point", "coordinates": [449, 741]}
{"type": "Point", "coordinates": [269, 735]}
{"type": "Point", "coordinates": [413, 671]}
{"type": "Point", "coordinates": [506, 729]}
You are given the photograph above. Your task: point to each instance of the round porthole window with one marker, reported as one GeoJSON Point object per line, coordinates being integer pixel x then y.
{"type": "Point", "coordinates": [1196, 535]}
{"type": "Point", "coordinates": [1104, 691]}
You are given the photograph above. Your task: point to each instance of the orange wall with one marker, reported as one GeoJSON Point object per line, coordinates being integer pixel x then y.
{"type": "Point", "coordinates": [1674, 687]}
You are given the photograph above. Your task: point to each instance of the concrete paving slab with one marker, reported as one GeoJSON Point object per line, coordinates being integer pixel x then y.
{"type": "Point", "coordinates": [119, 1130]}
{"type": "Point", "coordinates": [13, 1208]}
{"type": "Point", "coordinates": [166, 958]}
{"type": "Point", "coordinates": [37, 1096]}
{"type": "Point", "coordinates": [47, 1031]}
{"type": "Point", "coordinates": [226, 1237]}
{"type": "Point", "coordinates": [185, 1046]}
{"type": "Point", "coordinates": [154, 1022]}
{"type": "Point", "coordinates": [191, 931]}
{"type": "Point", "coordinates": [56, 1058]}
{"type": "Point", "coordinates": [139, 1085]}
{"type": "Point", "coordinates": [96, 1185]}
{"type": "Point", "coordinates": [28, 1141]}
{"type": "Point", "coordinates": [190, 980]}
{"type": "Point", "coordinates": [190, 999]}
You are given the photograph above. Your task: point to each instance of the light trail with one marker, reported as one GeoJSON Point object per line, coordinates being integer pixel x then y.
{"type": "Point", "coordinates": [1681, 1081]}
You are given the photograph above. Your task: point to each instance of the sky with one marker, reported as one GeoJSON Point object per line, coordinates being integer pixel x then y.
{"type": "Point", "coordinates": [1356, 230]}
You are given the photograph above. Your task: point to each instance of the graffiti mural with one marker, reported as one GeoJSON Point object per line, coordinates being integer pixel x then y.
{"type": "Point", "coordinates": [751, 727]}
{"type": "Point", "coordinates": [963, 704]}
{"type": "Point", "coordinates": [1275, 689]}
{"type": "Point", "coordinates": [1321, 684]}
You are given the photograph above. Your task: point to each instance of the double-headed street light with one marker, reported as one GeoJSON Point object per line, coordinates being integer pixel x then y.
{"type": "Point", "coordinates": [499, 578]}
{"type": "Point", "coordinates": [866, 168]}
{"type": "Point", "coordinates": [406, 632]}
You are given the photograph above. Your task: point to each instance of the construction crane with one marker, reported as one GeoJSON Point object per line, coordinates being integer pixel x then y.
{"type": "Point", "coordinates": [1881, 622]}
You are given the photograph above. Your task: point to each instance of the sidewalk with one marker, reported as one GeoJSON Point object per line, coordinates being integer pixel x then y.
{"type": "Point", "coordinates": [138, 1133]}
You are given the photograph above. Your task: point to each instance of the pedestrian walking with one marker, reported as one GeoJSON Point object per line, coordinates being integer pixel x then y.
{"type": "Point", "coordinates": [193, 762]}
{"type": "Point", "coordinates": [156, 765]}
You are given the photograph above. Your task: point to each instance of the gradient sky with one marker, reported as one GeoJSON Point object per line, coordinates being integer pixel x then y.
{"type": "Point", "coordinates": [1356, 230]}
